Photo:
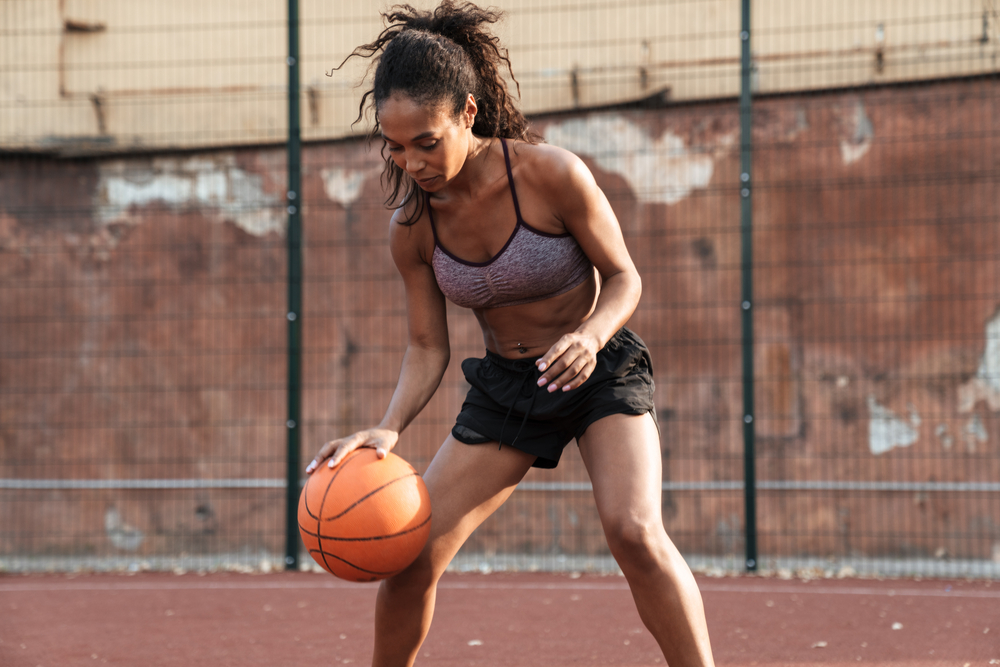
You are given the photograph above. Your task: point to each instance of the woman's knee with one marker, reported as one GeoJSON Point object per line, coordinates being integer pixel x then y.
{"type": "Point", "coordinates": [416, 579]}
{"type": "Point", "coordinates": [636, 542]}
{"type": "Point", "coordinates": [422, 574]}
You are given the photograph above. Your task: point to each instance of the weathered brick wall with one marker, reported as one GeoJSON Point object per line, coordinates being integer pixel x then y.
{"type": "Point", "coordinates": [142, 302]}
{"type": "Point", "coordinates": [143, 338]}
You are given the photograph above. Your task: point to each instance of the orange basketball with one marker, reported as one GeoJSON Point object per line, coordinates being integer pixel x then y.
{"type": "Point", "coordinates": [366, 519]}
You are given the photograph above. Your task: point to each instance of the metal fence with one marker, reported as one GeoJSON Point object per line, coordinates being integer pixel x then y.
{"type": "Point", "coordinates": [809, 192]}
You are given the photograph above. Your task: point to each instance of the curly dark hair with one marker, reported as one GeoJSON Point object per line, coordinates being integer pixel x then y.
{"type": "Point", "coordinates": [440, 57]}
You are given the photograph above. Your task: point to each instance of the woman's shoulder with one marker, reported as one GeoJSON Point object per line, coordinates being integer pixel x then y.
{"type": "Point", "coordinates": [541, 156]}
{"type": "Point", "coordinates": [548, 166]}
{"type": "Point", "coordinates": [410, 230]}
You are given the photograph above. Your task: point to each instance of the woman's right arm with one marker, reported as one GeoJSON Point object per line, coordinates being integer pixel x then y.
{"type": "Point", "coordinates": [427, 351]}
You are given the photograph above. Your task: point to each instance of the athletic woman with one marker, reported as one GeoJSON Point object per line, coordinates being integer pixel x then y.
{"type": "Point", "coordinates": [519, 232]}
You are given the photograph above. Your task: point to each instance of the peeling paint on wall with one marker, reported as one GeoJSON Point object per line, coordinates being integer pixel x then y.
{"type": "Point", "coordinates": [217, 186]}
{"type": "Point", "coordinates": [942, 433]}
{"type": "Point", "coordinates": [660, 170]}
{"type": "Point", "coordinates": [887, 431]}
{"type": "Point", "coordinates": [121, 534]}
{"type": "Point", "coordinates": [975, 433]}
{"type": "Point", "coordinates": [985, 386]}
{"type": "Point", "coordinates": [344, 185]}
{"type": "Point", "coordinates": [854, 147]}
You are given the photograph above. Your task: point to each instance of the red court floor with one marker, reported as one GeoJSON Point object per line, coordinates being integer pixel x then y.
{"type": "Point", "coordinates": [528, 620]}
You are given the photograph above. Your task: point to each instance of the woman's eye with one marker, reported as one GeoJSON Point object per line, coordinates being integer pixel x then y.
{"type": "Point", "coordinates": [430, 146]}
{"type": "Point", "coordinates": [394, 149]}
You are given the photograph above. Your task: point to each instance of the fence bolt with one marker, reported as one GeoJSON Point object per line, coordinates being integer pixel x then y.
{"type": "Point", "coordinates": [291, 194]}
{"type": "Point", "coordinates": [291, 210]}
{"type": "Point", "coordinates": [290, 423]}
{"type": "Point", "coordinates": [744, 35]}
{"type": "Point", "coordinates": [745, 192]}
{"type": "Point", "coordinates": [290, 61]}
{"type": "Point", "coordinates": [291, 317]}
{"type": "Point", "coordinates": [746, 305]}
{"type": "Point", "coordinates": [748, 418]}
{"type": "Point", "coordinates": [744, 177]}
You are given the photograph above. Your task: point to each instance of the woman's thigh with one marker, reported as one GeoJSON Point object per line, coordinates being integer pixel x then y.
{"type": "Point", "coordinates": [622, 455]}
{"type": "Point", "coordinates": [467, 483]}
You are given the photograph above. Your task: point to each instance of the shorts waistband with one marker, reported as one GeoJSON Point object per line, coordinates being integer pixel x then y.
{"type": "Point", "coordinates": [524, 365]}
{"type": "Point", "coordinates": [510, 365]}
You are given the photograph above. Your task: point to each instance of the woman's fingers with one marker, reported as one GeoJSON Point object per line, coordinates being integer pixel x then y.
{"type": "Point", "coordinates": [575, 375]}
{"type": "Point", "coordinates": [549, 363]}
{"type": "Point", "coordinates": [346, 448]}
{"type": "Point", "coordinates": [337, 450]}
{"type": "Point", "coordinates": [568, 363]}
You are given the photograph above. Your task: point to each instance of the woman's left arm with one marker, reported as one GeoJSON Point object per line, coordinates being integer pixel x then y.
{"type": "Point", "coordinates": [583, 208]}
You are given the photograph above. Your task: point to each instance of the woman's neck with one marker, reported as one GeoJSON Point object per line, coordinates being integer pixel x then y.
{"type": "Point", "coordinates": [475, 175]}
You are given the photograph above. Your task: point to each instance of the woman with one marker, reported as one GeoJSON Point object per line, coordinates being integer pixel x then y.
{"type": "Point", "coordinates": [520, 233]}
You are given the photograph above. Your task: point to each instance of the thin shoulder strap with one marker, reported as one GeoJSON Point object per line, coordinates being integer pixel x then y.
{"type": "Point", "coordinates": [430, 215]}
{"type": "Point", "coordinates": [510, 180]}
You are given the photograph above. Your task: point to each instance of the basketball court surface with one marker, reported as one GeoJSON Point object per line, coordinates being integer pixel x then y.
{"type": "Point", "coordinates": [500, 619]}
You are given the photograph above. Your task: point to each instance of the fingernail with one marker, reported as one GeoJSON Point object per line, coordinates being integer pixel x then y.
{"type": "Point", "coordinates": [380, 453]}
{"type": "Point", "coordinates": [542, 366]}
{"type": "Point", "coordinates": [552, 387]}
{"type": "Point", "coordinates": [541, 381]}
{"type": "Point", "coordinates": [566, 387]}
{"type": "Point", "coordinates": [331, 463]}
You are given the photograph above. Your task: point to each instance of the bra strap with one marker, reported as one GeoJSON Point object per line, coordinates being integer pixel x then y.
{"type": "Point", "coordinates": [510, 180]}
{"type": "Point", "coordinates": [430, 215]}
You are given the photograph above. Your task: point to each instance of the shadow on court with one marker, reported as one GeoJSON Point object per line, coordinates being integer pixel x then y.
{"type": "Point", "coordinates": [528, 620]}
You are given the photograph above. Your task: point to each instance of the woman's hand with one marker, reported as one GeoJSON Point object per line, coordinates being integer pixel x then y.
{"type": "Point", "coordinates": [569, 362]}
{"type": "Point", "coordinates": [382, 440]}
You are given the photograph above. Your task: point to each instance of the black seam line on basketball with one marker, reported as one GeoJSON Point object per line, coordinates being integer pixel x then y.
{"type": "Point", "coordinates": [335, 475]}
{"type": "Point", "coordinates": [366, 496]}
{"type": "Point", "coordinates": [326, 491]}
{"type": "Point", "coordinates": [369, 539]}
{"type": "Point", "coordinates": [361, 569]}
{"type": "Point", "coordinates": [320, 536]}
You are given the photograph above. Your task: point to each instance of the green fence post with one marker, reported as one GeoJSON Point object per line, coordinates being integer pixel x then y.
{"type": "Point", "coordinates": [294, 201]}
{"type": "Point", "coordinates": [746, 302]}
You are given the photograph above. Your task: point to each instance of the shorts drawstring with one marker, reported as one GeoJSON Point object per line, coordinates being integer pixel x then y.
{"type": "Point", "coordinates": [533, 392]}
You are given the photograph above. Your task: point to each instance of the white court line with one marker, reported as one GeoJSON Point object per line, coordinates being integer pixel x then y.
{"type": "Point", "coordinates": [333, 584]}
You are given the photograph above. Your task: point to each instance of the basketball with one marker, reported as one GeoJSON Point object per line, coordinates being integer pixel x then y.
{"type": "Point", "coordinates": [366, 519]}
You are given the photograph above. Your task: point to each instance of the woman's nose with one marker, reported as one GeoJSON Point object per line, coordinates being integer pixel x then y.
{"type": "Point", "coordinates": [414, 165]}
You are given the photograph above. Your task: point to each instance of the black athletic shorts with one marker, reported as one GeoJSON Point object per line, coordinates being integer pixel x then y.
{"type": "Point", "coordinates": [506, 405]}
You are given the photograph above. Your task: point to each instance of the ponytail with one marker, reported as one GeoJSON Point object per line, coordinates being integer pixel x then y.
{"type": "Point", "coordinates": [441, 57]}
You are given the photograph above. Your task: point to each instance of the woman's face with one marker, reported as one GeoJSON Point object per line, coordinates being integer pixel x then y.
{"type": "Point", "coordinates": [428, 142]}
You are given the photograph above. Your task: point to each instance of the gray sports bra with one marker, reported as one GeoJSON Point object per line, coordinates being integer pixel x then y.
{"type": "Point", "coordinates": [533, 265]}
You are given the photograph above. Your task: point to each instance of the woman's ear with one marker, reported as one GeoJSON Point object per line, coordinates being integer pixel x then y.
{"type": "Point", "coordinates": [471, 109]}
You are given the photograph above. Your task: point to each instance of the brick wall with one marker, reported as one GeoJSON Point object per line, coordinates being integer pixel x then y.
{"type": "Point", "coordinates": [142, 305]}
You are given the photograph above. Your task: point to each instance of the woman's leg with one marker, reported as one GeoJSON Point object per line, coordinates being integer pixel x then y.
{"type": "Point", "coordinates": [466, 483]}
{"type": "Point", "coordinates": [622, 455]}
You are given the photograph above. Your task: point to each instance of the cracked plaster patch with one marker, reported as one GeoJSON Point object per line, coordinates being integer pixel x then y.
{"type": "Point", "coordinates": [659, 170]}
{"type": "Point", "coordinates": [985, 385]}
{"type": "Point", "coordinates": [344, 185]}
{"type": "Point", "coordinates": [218, 187]}
{"type": "Point", "coordinates": [887, 431]}
{"type": "Point", "coordinates": [853, 148]}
